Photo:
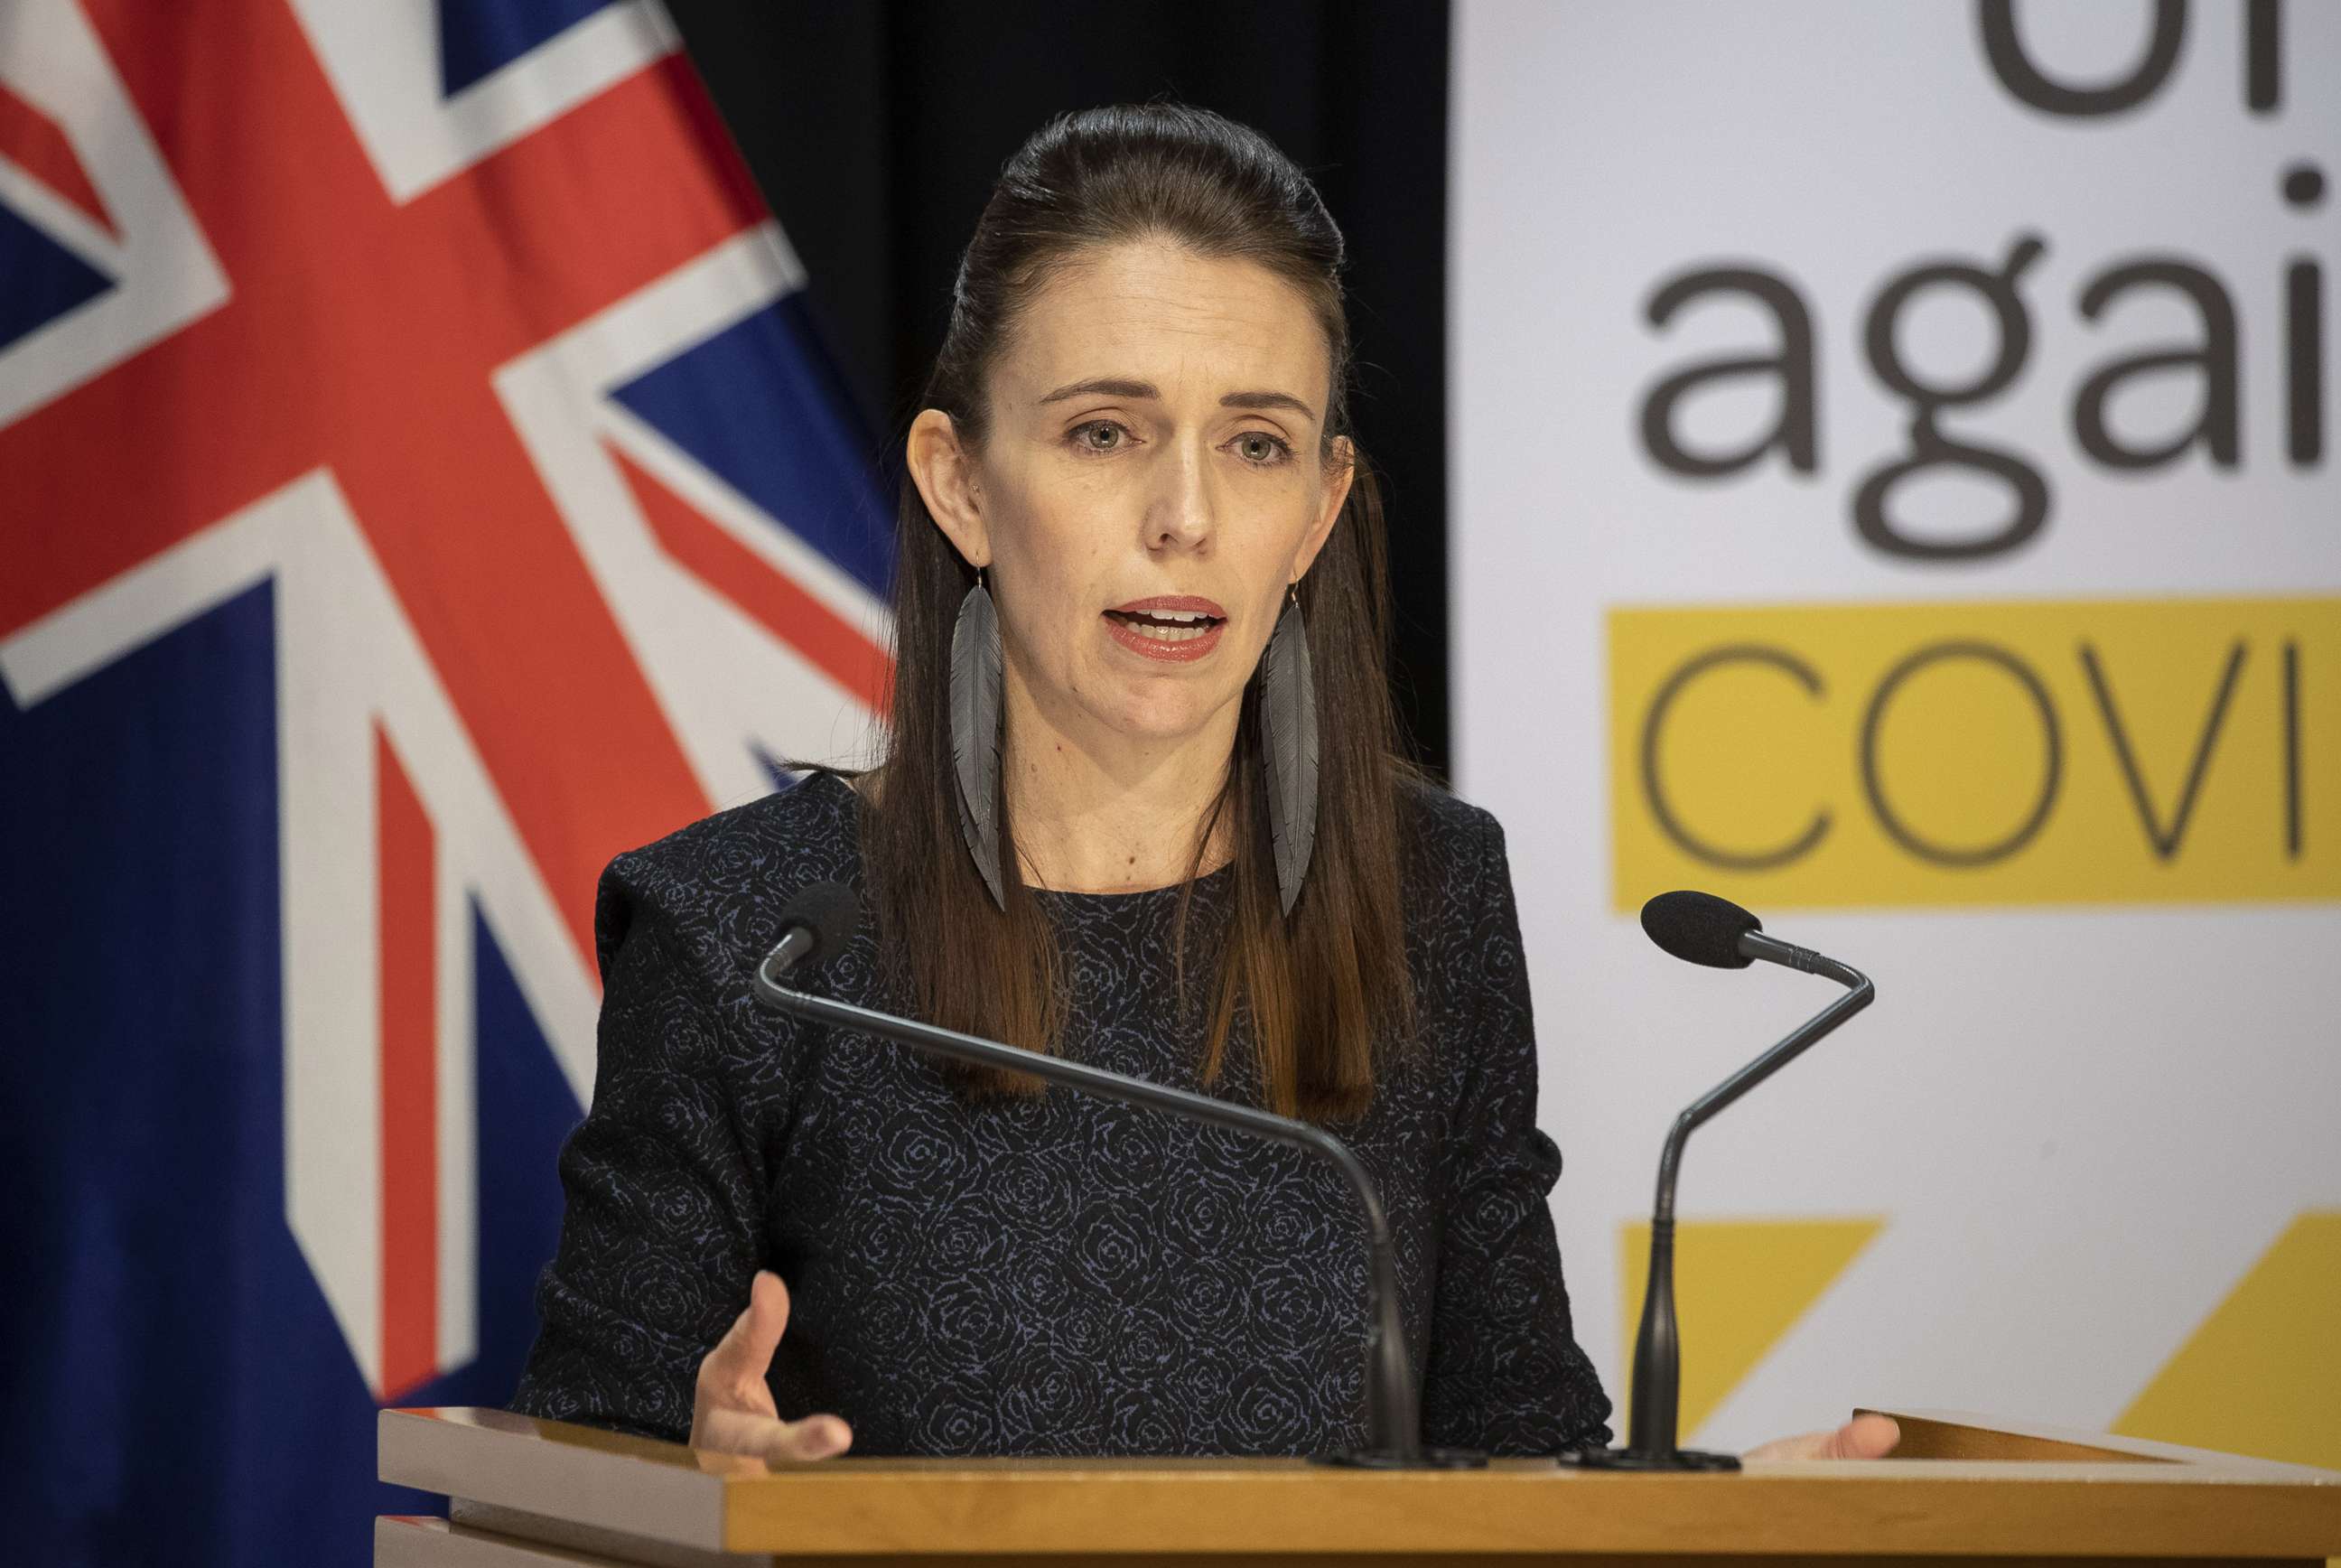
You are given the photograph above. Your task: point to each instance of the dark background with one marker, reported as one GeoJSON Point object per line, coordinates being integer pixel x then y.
{"type": "Point", "coordinates": [876, 130]}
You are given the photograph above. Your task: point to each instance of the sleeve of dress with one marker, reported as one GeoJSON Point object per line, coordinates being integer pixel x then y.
{"type": "Point", "coordinates": [1506, 1373]}
{"type": "Point", "coordinates": [663, 1225]}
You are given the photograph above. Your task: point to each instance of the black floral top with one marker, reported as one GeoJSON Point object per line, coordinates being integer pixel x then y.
{"type": "Point", "coordinates": [1055, 1275]}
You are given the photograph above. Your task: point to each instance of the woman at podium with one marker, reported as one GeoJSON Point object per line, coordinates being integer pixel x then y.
{"type": "Point", "coordinates": [1141, 805]}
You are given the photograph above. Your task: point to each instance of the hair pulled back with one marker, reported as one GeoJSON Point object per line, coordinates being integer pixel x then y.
{"type": "Point", "coordinates": [1322, 994]}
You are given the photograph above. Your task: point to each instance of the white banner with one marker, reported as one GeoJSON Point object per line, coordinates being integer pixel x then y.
{"type": "Point", "coordinates": [1896, 489]}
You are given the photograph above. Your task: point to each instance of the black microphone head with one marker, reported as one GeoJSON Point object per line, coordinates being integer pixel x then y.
{"type": "Point", "coordinates": [1700, 928]}
{"type": "Point", "coordinates": [829, 911]}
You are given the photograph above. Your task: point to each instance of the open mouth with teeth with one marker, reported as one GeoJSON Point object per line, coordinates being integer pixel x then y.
{"type": "Point", "coordinates": [1166, 626]}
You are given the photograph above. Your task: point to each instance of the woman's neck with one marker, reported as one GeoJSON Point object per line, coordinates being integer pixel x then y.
{"type": "Point", "coordinates": [1109, 813]}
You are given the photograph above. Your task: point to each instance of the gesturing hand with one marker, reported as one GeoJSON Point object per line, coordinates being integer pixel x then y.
{"type": "Point", "coordinates": [732, 1409]}
{"type": "Point", "coordinates": [1868, 1437]}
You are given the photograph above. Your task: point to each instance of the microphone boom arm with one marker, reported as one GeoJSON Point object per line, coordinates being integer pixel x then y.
{"type": "Point", "coordinates": [1393, 1427]}
{"type": "Point", "coordinates": [1860, 993]}
{"type": "Point", "coordinates": [1657, 1351]}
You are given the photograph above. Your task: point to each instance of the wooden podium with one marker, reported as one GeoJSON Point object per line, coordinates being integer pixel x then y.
{"type": "Point", "coordinates": [1962, 1489]}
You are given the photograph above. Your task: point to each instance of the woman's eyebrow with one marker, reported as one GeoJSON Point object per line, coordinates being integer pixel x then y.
{"type": "Point", "coordinates": [1267, 400]}
{"type": "Point", "coordinates": [1116, 386]}
{"type": "Point", "coordinates": [1104, 386]}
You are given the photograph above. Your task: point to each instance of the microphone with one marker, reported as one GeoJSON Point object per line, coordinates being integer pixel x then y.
{"type": "Point", "coordinates": [1700, 928]}
{"type": "Point", "coordinates": [815, 927]}
{"type": "Point", "coordinates": [817, 924]}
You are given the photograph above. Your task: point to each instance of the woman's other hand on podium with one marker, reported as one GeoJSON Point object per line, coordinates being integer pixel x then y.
{"type": "Point", "coordinates": [732, 1409]}
{"type": "Point", "coordinates": [1863, 1437]}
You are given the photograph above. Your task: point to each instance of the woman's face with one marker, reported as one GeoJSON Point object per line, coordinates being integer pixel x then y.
{"type": "Point", "coordinates": [1154, 476]}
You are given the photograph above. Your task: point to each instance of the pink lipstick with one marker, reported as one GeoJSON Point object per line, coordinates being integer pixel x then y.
{"type": "Point", "coordinates": [1178, 628]}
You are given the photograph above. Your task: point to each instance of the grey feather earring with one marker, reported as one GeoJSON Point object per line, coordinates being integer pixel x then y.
{"type": "Point", "coordinates": [1288, 726]}
{"type": "Point", "coordinates": [975, 730]}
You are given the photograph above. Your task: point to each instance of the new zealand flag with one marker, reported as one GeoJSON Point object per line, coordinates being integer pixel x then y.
{"type": "Point", "coordinates": [417, 483]}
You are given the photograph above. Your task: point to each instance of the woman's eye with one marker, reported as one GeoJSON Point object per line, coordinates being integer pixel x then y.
{"type": "Point", "coordinates": [1099, 435]}
{"type": "Point", "coordinates": [1256, 446]}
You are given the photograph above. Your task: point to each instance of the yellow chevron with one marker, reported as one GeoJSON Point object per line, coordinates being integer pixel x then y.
{"type": "Point", "coordinates": [2262, 1374]}
{"type": "Point", "coordinates": [1740, 1286]}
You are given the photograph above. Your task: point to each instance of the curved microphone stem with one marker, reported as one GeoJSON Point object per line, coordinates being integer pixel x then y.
{"type": "Point", "coordinates": [1393, 1429]}
{"type": "Point", "coordinates": [1658, 1348]}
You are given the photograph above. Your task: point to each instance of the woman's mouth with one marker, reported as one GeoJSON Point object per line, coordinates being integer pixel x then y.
{"type": "Point", "coordinates": [1177, 629]}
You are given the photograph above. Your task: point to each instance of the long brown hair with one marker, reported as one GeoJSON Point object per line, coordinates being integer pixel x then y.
{"type": "Point", "coordinates": [1324, 991]}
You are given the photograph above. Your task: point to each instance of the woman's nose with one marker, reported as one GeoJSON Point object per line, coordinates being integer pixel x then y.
{"type": "Point", "coordinates": [1179, 513]}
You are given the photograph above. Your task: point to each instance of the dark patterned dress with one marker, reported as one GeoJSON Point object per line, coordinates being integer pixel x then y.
{"type": "Point", "coordinates": [1055, 1275]}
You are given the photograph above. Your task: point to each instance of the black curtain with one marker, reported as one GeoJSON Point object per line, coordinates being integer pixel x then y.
{"type": "Point", "coordinates": [876, 130]}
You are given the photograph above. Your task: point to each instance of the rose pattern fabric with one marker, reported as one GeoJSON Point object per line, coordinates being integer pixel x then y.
{"type": "Point", "coordinates": [1060, 1275]}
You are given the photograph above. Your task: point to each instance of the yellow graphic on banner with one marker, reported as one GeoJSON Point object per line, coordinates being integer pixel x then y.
{"type": "Point", "coordinates": [2011, 752]}
{"type": "Point", "coordinates": [1740, 1286]}
{"type": "Point", "coordinates": [2262, 1375]}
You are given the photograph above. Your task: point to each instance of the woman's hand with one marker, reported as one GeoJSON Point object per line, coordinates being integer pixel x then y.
{"type": "Point", "coordinates": [732, 1409]}
{"type": "Point", "coordinates": [1863, 1437]}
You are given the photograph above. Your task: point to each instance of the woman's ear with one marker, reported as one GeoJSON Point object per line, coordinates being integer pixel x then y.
{"type": "Point", "coordinates": [944, 469]}
{"type": "Point", "coordinates": [1340, 468]}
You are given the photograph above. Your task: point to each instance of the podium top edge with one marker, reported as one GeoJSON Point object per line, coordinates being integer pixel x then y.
{"type": "Point", "coordinates": [2176, 1502]}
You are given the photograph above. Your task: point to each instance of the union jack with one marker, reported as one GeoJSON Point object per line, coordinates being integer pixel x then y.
{"type": "Point", "coordinates": [455, 329]}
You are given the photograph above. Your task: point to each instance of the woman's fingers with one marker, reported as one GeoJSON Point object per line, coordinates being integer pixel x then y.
{"type": "Point", "coordinates": [732, 1408]}
{"type": "Point", "coordinates": [731, 1375]}
{"type": "Point", "coordinates": [756, 1333]}
{"type": "Point", "coordinates": [1871, 1436]}
{"type": "Point", "coordinates": [815, 1437]}
{"type": "Point", "coordinates": [774, 1441]}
